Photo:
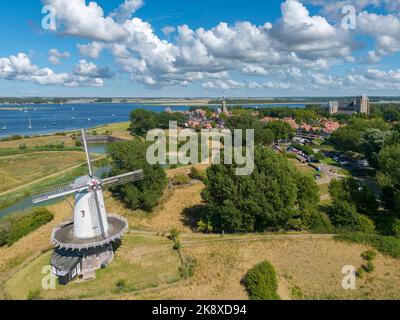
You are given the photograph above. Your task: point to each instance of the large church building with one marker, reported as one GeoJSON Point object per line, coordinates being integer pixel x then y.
{"type": "Point", "coordinates": [358, 105]}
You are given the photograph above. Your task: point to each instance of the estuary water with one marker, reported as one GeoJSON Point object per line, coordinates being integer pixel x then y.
{"type": "Point", "coordinates": [48, 119]}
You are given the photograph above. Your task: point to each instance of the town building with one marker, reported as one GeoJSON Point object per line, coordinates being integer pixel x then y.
{"type": "Point", "coordinates": [357, 105]}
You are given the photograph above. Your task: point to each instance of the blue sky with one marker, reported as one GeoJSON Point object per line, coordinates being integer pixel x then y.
{"type": "Point", "coordinates": [199, 48]}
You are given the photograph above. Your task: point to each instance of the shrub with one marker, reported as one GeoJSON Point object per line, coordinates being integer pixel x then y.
{"type": "Point", "coordinates": [173, 235]}
{"type": "Point", "coordinates": [318, 222]}
{"type": "Point", "coordinates": [384, 244]}
{"type": "Point", "coordinates": [205, 227]}
{"type": "Point", "coordinates": [344, 216]}
{"type": "Point", "coordinates": [261, 282]}
{"type": "Point", "coordinates": [360, 272]}
{"type": "Point", "coordinates": [177, 246]}
{"type": "Point", "coordinates": [369, 255]}
{"type": "Point", "coordinates": [188, 268]}
{"type": "Point", "coordinates": [369, 267]}
{"type": "Point", "coordinates": [22, 226]}
{"type": "Point", "coordinates": [180, 180]}
{"type": "Point", "coordinates": [196, 174]}
{"type": "Point", "coordinates": [121, 284]}
{"type": "Point", "coordinates": [34, 295]}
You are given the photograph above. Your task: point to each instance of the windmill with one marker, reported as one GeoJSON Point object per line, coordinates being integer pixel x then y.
{"type": "Point", "coordinates": [85, 244]}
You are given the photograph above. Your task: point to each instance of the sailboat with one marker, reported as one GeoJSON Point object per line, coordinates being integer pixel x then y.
{"type": "Point", "coordinates": [30, 123]}
{"type": "Point", "coordinates": [54, 121]}
{"type": "Point", "coordinates": [4, 126]}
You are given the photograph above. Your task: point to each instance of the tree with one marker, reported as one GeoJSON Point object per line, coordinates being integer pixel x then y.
{"type": "Point", "coordinates": [129, 156]}
{"type": "Point", "coordinates": [372, 142]}
{"type": "Point", "coordinates": [246, 121]}
{"type": "Point", "coordinates": [142, 121]}
{"type": "Point", "coordinates": [262, 201]}
{"type": "Point", "coordinates": [281, 130]}
{"type": "Point", "coordinates": [389, 176]}
{"type": "Point", "coordinates": [308, 193]}
{"type": "Point", "coordinates": [345, 217]}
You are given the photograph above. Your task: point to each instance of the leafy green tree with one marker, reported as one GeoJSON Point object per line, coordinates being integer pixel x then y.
{"type": "Point", "coordinates": [246, 121]}
{"type": "Point", "coordinates": [264, 200]}
{"type": "Point", "coordinates": [142, 121]}
{"type": "Point", "coordinates": [345, 217]}
{"type": "Point", "coordinates": [129, 156]}
{"type": "Point", "coordinates": [372, 142]}
{"type": "Point", "coordinates": [389, 176]}
{"type": "Point", "coordinates": [308, 193]}
{"type": "Point", "coordinates": [281, 130]}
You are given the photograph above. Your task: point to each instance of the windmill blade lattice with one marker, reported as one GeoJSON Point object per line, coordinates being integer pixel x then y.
{"type": "Point", "coordinates": [123, 179]}
{"type": "Point", "coordinates": [59, 191]}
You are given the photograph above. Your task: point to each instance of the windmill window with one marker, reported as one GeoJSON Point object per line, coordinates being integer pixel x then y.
{"type": "Point", "coordinates": [83, 213]}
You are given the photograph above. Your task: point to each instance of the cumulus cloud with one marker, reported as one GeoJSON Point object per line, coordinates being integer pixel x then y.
{"type": "Point", "coordinates": [20, 67]}
{"type": "Point", "coordinates": [75, 18]}
{"type": "Point", "coordinates": [90, 70]}
{"type": "Point", "coordinates": [55, 56]}
{"type": "Point", "coordinates": [126, 10]}
{"type": "Point", "coordinates": [296, 40]}
{"type": "Point", "coordinates": [167, 30]}
{"type": "Point", "coordinates": [92, 50]}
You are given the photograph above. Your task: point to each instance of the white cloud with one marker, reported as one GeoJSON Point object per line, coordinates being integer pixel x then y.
{"type": "Point", "coordinates": [55, 56]}
{"type": "Point", "coordinates": [75, 18]}
{"type": "Point", "coordinates": [167, 30]}
{"type": "Point", "coordinates": [126, 10]}
{"type": "Point", "coordinates": [92, 50]}
{"type": "Point", "coordinates": [19, 67]}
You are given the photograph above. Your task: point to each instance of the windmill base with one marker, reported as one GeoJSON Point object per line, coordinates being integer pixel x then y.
{"type": "Point", "coordinates": [70, 264]}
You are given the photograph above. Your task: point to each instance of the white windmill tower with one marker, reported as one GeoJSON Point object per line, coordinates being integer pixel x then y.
{"type": "Point", "coordinates": [85, 244]}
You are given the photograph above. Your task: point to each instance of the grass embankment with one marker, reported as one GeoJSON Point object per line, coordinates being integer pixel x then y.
{"type": "Point", "coordinates": [385, 244]}
{"type": "Point", "coordinates": [10, 199]}
{"type": "Point", "coordinates": [141, 263]}
{"type": "Point", "coordinates": [20, 170]}
{"type": "Point", "coordinates": [117, 130]}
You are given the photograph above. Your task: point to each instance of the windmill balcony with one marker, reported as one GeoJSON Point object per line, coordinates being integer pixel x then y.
{"type": "Point", "coordinates": [63, 236]}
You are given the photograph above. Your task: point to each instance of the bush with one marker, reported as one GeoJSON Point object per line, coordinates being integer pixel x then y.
{"type": "Point", "coordinates": [261, 282]}
{"type": "Point", "coordinates": [173, 235]}
{"type": "Point", "coordinates": [121, 284]}
{"type": "Point", "coordinates": [384, 244]}
{"type": "Point", "coordinates": [34, 295]}
{"type": "Point", "coordinates": [344, 216]}
{"type": "Point", "coordinates": [369, 267]}
{"type": "Point", "coordinates": [318, 222]}
{"type": "Point", "coordinates": [196, 174]}
{"type": "Point", "coordinates": [177, 246]}
{"type": "Point", "coordinates": [205, 227]}
{"type": "Point", "coordinates": [368, 255]}
{"type": "Point", "coordinates": [180, 180]}
{"type": "Point", "coordinates": [19, 227]}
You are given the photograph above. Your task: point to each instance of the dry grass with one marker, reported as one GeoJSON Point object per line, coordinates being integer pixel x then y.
{"type": "Point", "coordinates": [38, 142]}
{"type": "Point", "coordinates": [16, 171]}
{"type": "Point", "coordinates": [307, 269]}
{"type": "Point", "coordinates": [168, 215]}
{"type": "Point", "coordinates": [31, 246]}
{"type": "Point", "coordinates": [118, 130]}
{"type": "Point", "coordinates": [143, 262]}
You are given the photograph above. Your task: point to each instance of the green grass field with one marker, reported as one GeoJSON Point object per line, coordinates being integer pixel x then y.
{"type": "Point", "coordinates": [16, 171]}
{"type": "Point", "coordinates": [142, 262]}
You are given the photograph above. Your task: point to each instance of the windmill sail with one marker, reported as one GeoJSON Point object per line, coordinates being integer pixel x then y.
{"type": "Point", "coordinates": [123, 178]}
{"type": "Point", "coordinates": [59, 191]}
{"type": "Point", "coordinates": [89, 160]}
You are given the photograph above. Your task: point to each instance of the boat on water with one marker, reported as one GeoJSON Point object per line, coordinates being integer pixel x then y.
{"type": "Point", "coordinates": [54, 122]}
{"type": "Point", "coordinates": [30, 123]}
{"type": "Point", "coordinates": [4, 126]}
